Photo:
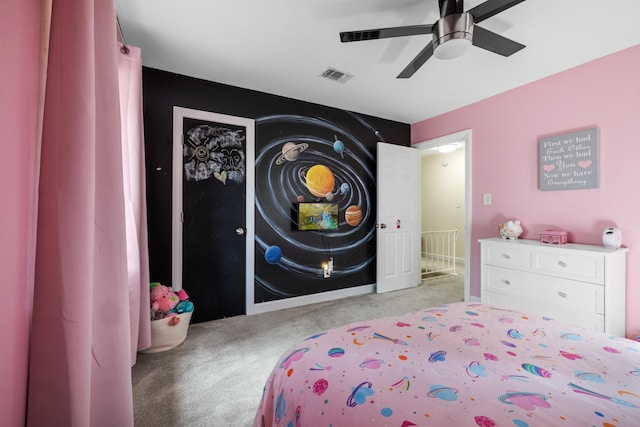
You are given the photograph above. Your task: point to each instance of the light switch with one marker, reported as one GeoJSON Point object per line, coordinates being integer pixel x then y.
{"type": "Point", "coordinates": [486, 199]}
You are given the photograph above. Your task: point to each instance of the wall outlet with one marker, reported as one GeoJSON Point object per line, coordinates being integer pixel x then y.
{"type": "Point", "coordinates": [486, 199]}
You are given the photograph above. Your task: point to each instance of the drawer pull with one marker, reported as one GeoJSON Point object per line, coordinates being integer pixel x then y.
{"type": "Point", "coordinates": [562, 294]}
{"type": "Point", "coordinates": [562, 264]}
{"type": "Point", "coordinates": [506, 282]}
{"type": "Point", "coordinates": [506, 256]}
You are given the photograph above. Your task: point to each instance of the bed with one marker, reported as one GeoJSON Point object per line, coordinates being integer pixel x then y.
{"type": "Point", "coordinates": [461, 364]}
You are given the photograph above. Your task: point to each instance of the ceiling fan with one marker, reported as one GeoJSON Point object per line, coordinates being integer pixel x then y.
{"type": "Point", "coordinates": [452, 34]}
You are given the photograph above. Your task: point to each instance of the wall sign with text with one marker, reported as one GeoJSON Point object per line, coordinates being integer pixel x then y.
{"type": "Point", "coordinates": [569, 161]}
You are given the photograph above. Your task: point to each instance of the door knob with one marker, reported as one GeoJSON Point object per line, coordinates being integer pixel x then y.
{"type": "Point", "coordinates": [382, 225]}
{"type": "Point", "coordinates": [240, 231]}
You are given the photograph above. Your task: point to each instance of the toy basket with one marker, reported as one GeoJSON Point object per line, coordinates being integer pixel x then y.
{"type": "Point", "coordinates": [165, 335]}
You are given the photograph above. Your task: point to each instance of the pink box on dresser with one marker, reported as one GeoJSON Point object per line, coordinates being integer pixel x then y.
{"type": "Point", "coordinates": [557, 237]}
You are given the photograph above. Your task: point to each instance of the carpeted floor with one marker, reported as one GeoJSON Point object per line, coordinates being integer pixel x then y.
{"type": "Point", "coordinates": [216, 377]}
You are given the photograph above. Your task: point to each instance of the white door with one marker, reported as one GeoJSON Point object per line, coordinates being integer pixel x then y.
{"type": "Point", "coordinates": [398, 232]}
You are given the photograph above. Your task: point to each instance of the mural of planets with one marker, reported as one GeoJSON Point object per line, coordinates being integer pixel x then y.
{"type": "Point", "coordinates": [319, 180]}
{"type": "Point", "coordinates": [338, 147]}
{"type": "Point", "coordinates": [353, 215]}
{"type": "Point", "coordinates": [310, 159]}
{"type": "Point", "coordinates": [290, 152]}
{"type": "Point", "coordinates": [273, 254]}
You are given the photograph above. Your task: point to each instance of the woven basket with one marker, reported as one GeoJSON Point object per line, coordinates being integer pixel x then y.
{"type": "Point", "coordinates": [165, 335]}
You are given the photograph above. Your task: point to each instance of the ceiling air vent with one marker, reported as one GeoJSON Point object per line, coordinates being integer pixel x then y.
{"type": "Point", "coordinates": [336, 75]}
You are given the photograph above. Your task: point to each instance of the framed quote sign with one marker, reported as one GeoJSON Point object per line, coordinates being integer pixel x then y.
{"type": "Point", "coordinates": [569, 161]}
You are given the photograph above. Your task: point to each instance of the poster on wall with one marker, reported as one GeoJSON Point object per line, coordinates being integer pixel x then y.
{"type": "Point", "coordinates": [569, 161]}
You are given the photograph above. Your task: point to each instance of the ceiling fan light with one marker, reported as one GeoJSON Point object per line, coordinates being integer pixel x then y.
{"type": "Point", "coordinates": [453, 35]}
{"type": "Point", "coordinates": [452, 48]}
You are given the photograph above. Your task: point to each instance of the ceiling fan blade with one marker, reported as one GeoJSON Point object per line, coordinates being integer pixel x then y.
{"type": "Point", "coordinates": [495, 42]}
{"type": "Point", "coordinates": [383, 33]}
{"type": "Point", "coordinates": [491, 7]}
{"type": "Point", "coordinates": [449, 7]}
{"type": "Point", "coordinates": [417, 62]}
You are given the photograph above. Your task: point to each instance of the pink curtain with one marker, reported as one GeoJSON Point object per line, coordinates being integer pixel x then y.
{"type": "Point", "coordinates": [24, 31]}
{"type": "Point", "coordinates": [79, 292]}
{"type": "Point", "coordinates": [130, 84]}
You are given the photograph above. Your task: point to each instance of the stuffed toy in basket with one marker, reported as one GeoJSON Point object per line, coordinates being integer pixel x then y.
{"type": "Point", "coordinates": [170, 317]}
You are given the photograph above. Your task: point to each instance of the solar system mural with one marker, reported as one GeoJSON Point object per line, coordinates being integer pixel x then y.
{"type": "Point", "coordinates": [291, 137]}
{"type": "Point", "coordinates": [316, 162]}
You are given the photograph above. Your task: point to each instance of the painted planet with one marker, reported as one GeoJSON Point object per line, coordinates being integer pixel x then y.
{"type": "Point", "coordinates": [329, 196]}
{"type": "Point", "coordinates": [338, 147]}
{"type": "Point", "coordinates": [290, 152]}
{"type": "Point", "coordinates": [345, 188]}
{"type": "Point", "coordinates": [353, 215]}
{"type": "Point", "coordinates": [273, 254]}
{"type": "Point", "coordinates": [300, 198]}
{"type": "Point", "coordinates": [320, 180]}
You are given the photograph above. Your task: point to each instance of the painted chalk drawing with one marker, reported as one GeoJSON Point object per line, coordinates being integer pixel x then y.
{"type": "Point", "coordinates": [214, 151]}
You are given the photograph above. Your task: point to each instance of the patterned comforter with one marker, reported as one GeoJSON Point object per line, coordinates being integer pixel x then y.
{"type": "Point", "coordinates": [461, 364]}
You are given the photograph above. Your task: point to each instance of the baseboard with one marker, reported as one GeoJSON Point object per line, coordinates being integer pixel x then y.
{"type": "Point", "coordinates": [265, 307]}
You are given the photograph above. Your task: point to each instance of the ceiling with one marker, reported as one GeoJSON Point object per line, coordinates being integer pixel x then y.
{"type": "Point", "coordinates": [283, 46]}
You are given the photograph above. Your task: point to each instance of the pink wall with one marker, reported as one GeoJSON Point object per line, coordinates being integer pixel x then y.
{"type": "Point", "coordinates": [604, 93]}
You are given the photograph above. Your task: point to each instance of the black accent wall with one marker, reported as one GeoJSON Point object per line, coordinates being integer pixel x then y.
{"type": "Point", "coordinates": [341, 141]}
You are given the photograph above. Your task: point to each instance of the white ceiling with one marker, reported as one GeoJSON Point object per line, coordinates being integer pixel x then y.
{"type": "Point", "coordinates": [282, 47]}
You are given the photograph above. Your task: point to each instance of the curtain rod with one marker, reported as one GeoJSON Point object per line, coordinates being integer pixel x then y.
{"type": "Point", "coordinates": [124, 49]}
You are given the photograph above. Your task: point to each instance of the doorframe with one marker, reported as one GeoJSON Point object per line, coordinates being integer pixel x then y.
{"type": "Point", "coordinates": [179, 113]}
{"type": "Point", "coordinates": [465, 136]}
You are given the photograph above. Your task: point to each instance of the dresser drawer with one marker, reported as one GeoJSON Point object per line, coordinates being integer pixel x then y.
{"type": "Point", "coordinates": [551, 290]}
{"type": "Point", "coordinates": [581, 318]}
{"type": "Point", "coordinates": [504, 255]}
{"type": "Point", "coordinates": [579, 267]}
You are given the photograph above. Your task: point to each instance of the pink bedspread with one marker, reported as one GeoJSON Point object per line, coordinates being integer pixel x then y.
{"type": "Point", "coordinates": [456, 365]}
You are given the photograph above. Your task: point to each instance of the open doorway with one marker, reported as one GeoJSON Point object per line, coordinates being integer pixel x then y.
{"type": "Point", "coordinates": [454, 200]}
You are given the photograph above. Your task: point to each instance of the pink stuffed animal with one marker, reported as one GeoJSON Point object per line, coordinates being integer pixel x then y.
{"type": "Point", "coordinates": [163, 300]}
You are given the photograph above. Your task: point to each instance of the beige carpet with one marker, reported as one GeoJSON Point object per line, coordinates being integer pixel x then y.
{"type": "Point", "coordinates": [216, 377]}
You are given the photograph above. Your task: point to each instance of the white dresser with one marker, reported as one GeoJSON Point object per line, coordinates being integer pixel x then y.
{"type": "Point", "coordinates": [580, 284]}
